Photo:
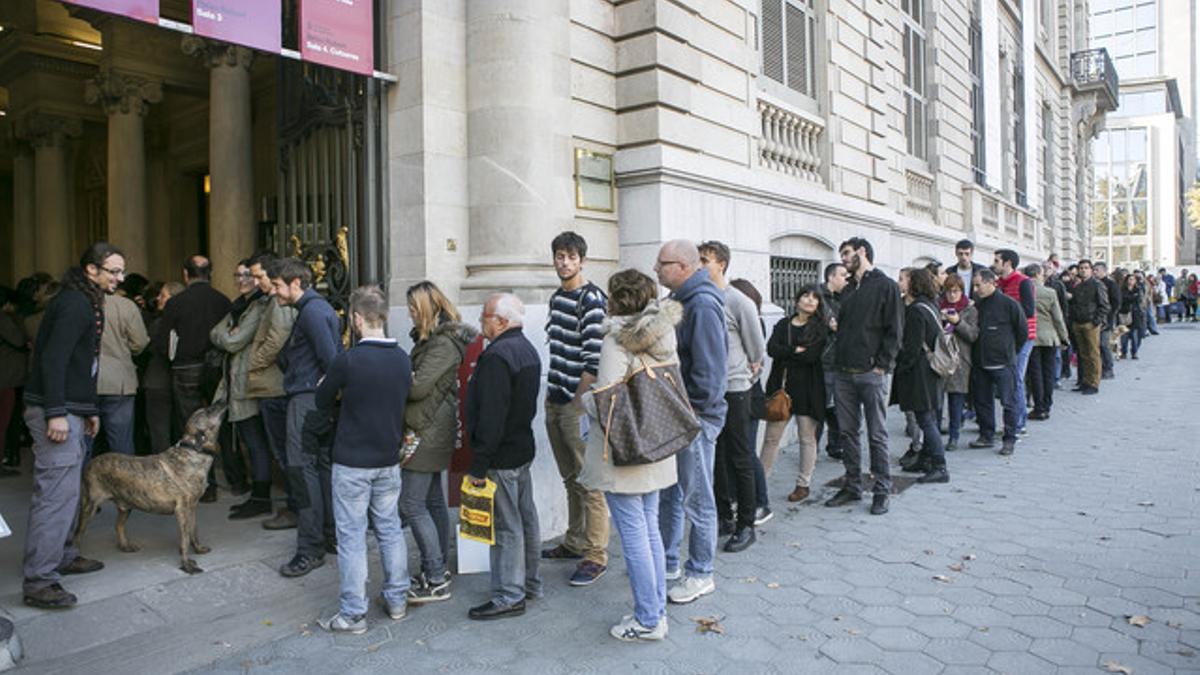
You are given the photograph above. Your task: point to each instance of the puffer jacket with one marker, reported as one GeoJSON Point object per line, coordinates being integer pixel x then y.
{"type": "Point", "coordinates": [432, 410]}
{"type": "Point", "coordinates": [235, 337]}
{"type": "Point", "coordinates": [649, 334]}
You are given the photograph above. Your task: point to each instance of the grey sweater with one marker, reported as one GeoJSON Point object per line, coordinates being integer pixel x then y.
{"type": "Point", "coordinates": [746, 342]}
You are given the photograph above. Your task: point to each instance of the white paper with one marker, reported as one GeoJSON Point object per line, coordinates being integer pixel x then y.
{"type": "Point", "coordinates": [4, 531]}
{"type": "Point", "coordinates": [585, 423]}
{"type": "Point", "coordinates": [172, 345]}
{"type": "Point", "coordinates": [473, 556]}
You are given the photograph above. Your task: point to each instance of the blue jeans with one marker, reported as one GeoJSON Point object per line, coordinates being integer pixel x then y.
{"type": "Point", "coordinates": [518, 549]}
{"type": "Point", "coordinates": [1022, 365]}
{"type": "Point", "coordinates": [116, 420]}
{"type": "Point", "coordinates": [355, 493]}
{"type": "Point", "coordinates": [1130, 340]}
{"type": "Point", "coordinates": [1151, 320]}
{"type": "Point", "coordinates": [424, 509]}
{"type": "Point", "coordinates": [956, 403]}
{"type": "Point", "coordinates": [636, 518]}
{"type": "Point", "coordinates": [692, 496]}
{"type": "Point", "coordinates": [932, 448]}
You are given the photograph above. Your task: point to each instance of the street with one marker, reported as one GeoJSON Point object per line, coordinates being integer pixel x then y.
{"type": "Point", "coordinates": [1076, 554]}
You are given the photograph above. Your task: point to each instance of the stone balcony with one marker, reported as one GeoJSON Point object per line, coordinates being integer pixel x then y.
{"type": "Point", "coordinates": [791, 141]}
{"type": "Point", "coordinates": [1093, 71]}
{"type": "Point", "coordinates": [990, 215]}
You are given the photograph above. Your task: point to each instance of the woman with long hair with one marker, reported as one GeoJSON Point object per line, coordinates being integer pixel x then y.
{"type": "Point", "coordinates": [960, 318]}
{"type": "Point", "coordinates": [639, 331]}
{"type": "Point", "coordinates": [440, 340]}
{"type": "Point", "coordinates": [796, 346]}
{"type": "Point", "coordinates": [915, 386]}
{"type": "Point", "coordinates": [1131, 315]}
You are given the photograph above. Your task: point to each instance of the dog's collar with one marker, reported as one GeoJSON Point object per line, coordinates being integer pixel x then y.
{"type": "Point", "coordinates": [189, 444]}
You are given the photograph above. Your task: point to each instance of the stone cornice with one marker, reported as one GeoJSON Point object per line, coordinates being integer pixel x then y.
{"type": "Point", "coordinates": [216, 54]}
{"type": "Point", "coordinates": [120, 92]}
{"type": "Point", "coordinates": [46, 130]}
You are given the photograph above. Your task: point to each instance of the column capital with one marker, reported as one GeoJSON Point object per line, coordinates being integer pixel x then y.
{"type": "Point", "coordinates": [122, 93]}
{"type": "Point", "coordinates": [214, 53]}
{"type": "Point", "coordinates": [44, 130]}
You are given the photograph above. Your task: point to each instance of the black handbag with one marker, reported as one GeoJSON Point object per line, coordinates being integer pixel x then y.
{"type": "Point", "coordinates": [647, 416]}
{"type": "Point", "coordinates": [758, 401]}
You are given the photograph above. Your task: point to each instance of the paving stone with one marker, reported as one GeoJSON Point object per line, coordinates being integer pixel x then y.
{"type": "Point", "coordinates": [952, 651]}
{"type": "Point", "coordinates": [1104, 639]}
{"type": "Point", "coordinates": [892, 638]}
{"type": "Point", "coordinates": [910, 663]}
{"type": "Point", "coordinates": [1063, 652]}
{"type": "Point", "coordinates": [1000, 640]}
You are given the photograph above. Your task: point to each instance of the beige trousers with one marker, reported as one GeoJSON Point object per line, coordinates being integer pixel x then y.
{"type": "Point", "coordinates": [587, 512]}
{"type": "Point", "coordinates": [806, 429]}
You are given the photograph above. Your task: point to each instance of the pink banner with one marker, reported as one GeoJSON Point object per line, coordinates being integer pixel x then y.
{"type": "Point", "coordinates": [253, 24]}
{"type": "Point", "coordinates": [338, 33]}
{"type": "Point", "coordinates": [142, 10]}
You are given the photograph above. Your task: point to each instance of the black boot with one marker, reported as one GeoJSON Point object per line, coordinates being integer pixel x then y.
{"type": "Point", "coordinates": [935, 475]}
{"type": "Point", "coordinates": [259, 503]}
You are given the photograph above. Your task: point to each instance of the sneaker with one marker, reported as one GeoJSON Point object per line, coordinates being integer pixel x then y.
{"type": "Point", "coordinates": [300, 565]}
{"type": "Point", "coordinates": [423, 591]}
{"type": "Point", "coordinates": [762, 514]}
{"type": "Point", "coordinates": [674, 575]}
{"type": "Point", "coordinates": [51, 597]}
{"type": "Point", "coordinates": [690, 589]}
{"type": "Point", "coordinates": [561, 552]}
{"type": "Point", "coordinates": [395, 613]}
{"type": "Point", "coordinates": [843, 497]}
{"type": "Point", "coordinates": [632, 630]}
{"type": "Point", "coordinates": [343, 624]}
{"type": "Point", "coordinates": [587, 573]}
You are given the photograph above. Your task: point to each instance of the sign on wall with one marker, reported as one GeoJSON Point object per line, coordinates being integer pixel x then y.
{"type": "Point", "coordinates": [338, 33]}
{"type": "Point", "coordinates": [251, 24]}
{"type": "Point", "coordinates": [142, 10]}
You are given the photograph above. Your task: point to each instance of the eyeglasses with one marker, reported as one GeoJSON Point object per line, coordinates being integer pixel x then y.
{"type": "Point", "coordinates": [115, 273]}
{"type": "Point", "coordinates": [659, 264]}
{"type": "Point", "coordinates": [243, 275]}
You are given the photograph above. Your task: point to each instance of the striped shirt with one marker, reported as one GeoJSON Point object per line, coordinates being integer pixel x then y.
{"type": "Point", "coordinates": [575, 335]}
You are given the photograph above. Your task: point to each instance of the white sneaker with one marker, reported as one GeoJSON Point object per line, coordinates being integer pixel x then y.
{"type": "Point", "coordinates": [691, 588]}
{"type": "Point", "coordinates": [394, 612]}
{"type": "Point", "coordinates": [632, 630]}
{"type": "Point", "coordinates": [675, 574]}
{"type": "Point", "coordinates": [339, 623]}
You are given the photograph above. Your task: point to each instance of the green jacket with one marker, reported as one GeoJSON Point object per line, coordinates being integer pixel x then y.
{"type": "Point", "coordinates": [264, 379]}
{"type": "Point", "coordinates": [432, 409]}
{"type": "Point", "coordinates": [236, 341]}
{"type": "Point", "coordinates": [1051, 328]}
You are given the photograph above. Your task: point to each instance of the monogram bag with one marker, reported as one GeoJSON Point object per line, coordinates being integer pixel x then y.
{"type": "Point", "coordinates": [646, 417]}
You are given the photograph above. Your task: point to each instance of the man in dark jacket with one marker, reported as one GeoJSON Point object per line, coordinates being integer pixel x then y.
{"type": "Point", "coordinates": [1089, 314]}
{"type": "Point", "coordinates": [1003, 331]}
{"type": "Point", "coordinates": [966, 267]}
{"type": "Point", "coordinates": [1100, 272]}
{"type": "Point", "coordinates": [868, 328]}
{"type": "Point", "coordinates": [501, 403]}
{"type": "Point", "coordinates": [315, 340]}
{"type": "Point", "coordinates": [62, 415]}
{"type": "Point", "coordinates": [703, 354]}
{"type": "Point", "coordinates": [182, 337]}
{"type": "Point", "coordinates": [836, 280]}
{"type": "Point", "coordinates": [1021, 288]}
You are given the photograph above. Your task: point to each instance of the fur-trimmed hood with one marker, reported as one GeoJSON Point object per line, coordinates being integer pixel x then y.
{"type": "Point", "coordinates": [456, 330]}
{"type": "Point", "coordinates": [642, 333]}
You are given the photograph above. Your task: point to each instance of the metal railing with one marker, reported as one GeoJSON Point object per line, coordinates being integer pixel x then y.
{"type": "Point", "coordinates": [1092, 70]}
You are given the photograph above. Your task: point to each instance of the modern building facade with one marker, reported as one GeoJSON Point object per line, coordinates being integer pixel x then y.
{"type": "Point", "coordinates": [1145, 159]}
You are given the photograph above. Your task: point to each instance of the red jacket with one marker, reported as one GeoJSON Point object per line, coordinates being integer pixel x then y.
{"type": "Point", "coordinates": [1021, 288]}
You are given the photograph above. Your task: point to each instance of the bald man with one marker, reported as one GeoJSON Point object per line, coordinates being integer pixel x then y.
{"type": "Point", "coordinates": [703, 354]}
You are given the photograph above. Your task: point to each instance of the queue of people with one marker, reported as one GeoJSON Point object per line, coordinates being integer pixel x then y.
{"type": "Point", "coordinates": [365, 435]}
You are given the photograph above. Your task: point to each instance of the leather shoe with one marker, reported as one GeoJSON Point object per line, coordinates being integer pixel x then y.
{"type": "Point", "coordinates": [1008, 447]}
{"type": "Point", "coordinates": [725, 527]}
{"type": "Point", "coordinates": [81, 565]}
{"type": "Point", "coordinates": [284, 520]}
{"type": "Point", "coordinates": [300, 565]}
{"type": "Point", "coordinates": [843, 497]}
{"type": "Point", "coordinates": [982, 442]}
{"type": "Point", "coordinates": [834, 453]}
{"type": "Point", "coordinates": [251, 509]}
{"type": "Point", "coordinates": [935, 476]}
{"type": "Point", "coordinates": [490, 610]}
{"type": "Point", "coordinates": [909, 457]}
{"type": "Point", "coordinates": [741, 540]}
{"type": "Point", "coordinates": [879, 504]}
{"type": "Point", "coordinates": [210, 495]}
{"type": "Point", "coordinates": [1088, 391]}
{"type": "Point", "coordinates": [51, 597]}
{"type": "Point", "coordinates": [799, 494]}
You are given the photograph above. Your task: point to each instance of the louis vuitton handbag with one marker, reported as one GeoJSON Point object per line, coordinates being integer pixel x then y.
{"type": "Point", "coordinates": [647, 416]}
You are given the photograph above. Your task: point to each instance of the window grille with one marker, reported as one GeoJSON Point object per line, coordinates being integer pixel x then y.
{"type": "Point", "coordinates": [789, 275]}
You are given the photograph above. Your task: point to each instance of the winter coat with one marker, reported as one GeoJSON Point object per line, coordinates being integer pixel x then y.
{"type": "Point", "coordinates": [432, 410]}
{"type": "Point", "coordinates": [14, 352]}
{"type": "Point", "coordinates": [1132, 305]}
{"type": "Point", "coordinates": [649, 335]}
{"type": "Point", "coordinates": [1051, 327]}
{"type": "Point", "coordinates": [124, 336]}
{"type": "Point", "coordinates": [264, 378]}
{"type": "Point", "coordinates": [966, 331]}
{"type": "Point", "coordinates": [805, 372]}
{"type": "Point", "coordinates": [915, 387]}
{"type": "Point", "coordinates": [235, 337]}
{"type": "Point", "coordinates": [703, 346]}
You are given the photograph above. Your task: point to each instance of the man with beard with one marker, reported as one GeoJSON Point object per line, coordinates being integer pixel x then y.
{"type": "Point", "coordinates": [1089, 312]}
{"type": "Point", "coordinates": [575, 329]}
{"type": "Point", "coordinates": [869, 323]}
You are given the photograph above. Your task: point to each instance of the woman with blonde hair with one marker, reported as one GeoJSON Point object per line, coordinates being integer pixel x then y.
{"type": "Point", "coordinates": [440, 341]}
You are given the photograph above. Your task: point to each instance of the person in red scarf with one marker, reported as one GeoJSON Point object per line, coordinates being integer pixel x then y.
{"type": "Point", "coordinates": [1021, 288]}
{"type": "Point", "coordinates": [959, 317]}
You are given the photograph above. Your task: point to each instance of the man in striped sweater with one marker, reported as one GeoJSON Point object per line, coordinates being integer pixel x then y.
{"type": "Point", "coordinates": [575, 330]}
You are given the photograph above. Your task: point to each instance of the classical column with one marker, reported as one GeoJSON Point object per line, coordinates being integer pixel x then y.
{"type": "Point", "coordinates": [231, 219]}
{"type": "Point", "coordinates": [125, 99]}
{"type": "Point", "coordinates": [24, 246]}
{"type": "Point", "coordinates": [518, 128]}
{"type": "Point", "coordinates": [49, 135]}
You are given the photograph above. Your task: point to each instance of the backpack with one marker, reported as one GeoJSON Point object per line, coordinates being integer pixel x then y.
{"type": "Point", "coordinates": [943, 358]}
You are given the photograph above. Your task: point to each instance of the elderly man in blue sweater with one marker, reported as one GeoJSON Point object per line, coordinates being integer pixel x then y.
{"type": "Point", "coordinates": [703, 353]}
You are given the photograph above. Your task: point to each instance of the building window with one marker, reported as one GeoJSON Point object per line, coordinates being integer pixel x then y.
{"type": "Point", "coordinates": [789, 275]}
{"type": "Point", "coordinates": [1119, 200]}
{"type": "Point", "coordinates": [916, 124]}
{"type": "Point", "coordinates": [1128, 29]}
{"type": "Point", "coordinates": [1047, 18]}
{"type": "Point", "coordinates": [978, 121]}
{"type": "Point", "coordinates": [1134, 103]}
{"type": "Point", "coordinates": [788, 44]}
{"type": "Point", "coordinates": [1019, 157]}
{"type": "Point", "coordinates": [1048, 177]}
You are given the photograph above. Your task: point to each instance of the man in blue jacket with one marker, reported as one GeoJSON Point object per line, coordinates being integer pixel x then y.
{"type": "Point", "coordinates": [703, 354]}
{"type": "Point", "coordinates": [315, 340]}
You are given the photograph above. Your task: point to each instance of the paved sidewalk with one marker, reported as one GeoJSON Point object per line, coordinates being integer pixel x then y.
{"type": "Point", "coordinates": [1028, 564]}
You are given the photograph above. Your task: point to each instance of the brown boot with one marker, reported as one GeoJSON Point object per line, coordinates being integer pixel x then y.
{"type": "Point", "coordinates": [799, 494]}
{"type": "Point", "coordinates": [284, 520]}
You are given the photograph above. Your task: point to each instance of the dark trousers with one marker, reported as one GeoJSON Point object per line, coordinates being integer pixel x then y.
{"type": "Point", "coordinates": [160, 419]}
{"type": "Point", "coordinates": [734, 463]}
{"type": "Point", "coordinates": [254, 434]}
{"type": "Point", "coordinates": [304, 475]}
{"type": "Point", "coordinates": [932, 447]}
{"type": "Point", "coordinates": [116, 421]}
{"type": "Point", "coordinates": [760, 476]}
{"type": "Point", "coordinates": [985, 384]}
{"type": "Point", "coordinates": [862, 396]}
{"type": "Point", "coordinates": [1041, 378]}
{"type": "Point", "coordinates": [956, 404]}
{"type": "Point", "coordinates": [274, 416]}
{"type": "Point", "coordinates": [1106, 357]}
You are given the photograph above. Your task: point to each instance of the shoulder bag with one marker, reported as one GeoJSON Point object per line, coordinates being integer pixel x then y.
{"type": "Point", "coordinates": [779, 405]}
{"type": "Point", "coordinates": [647, 416]}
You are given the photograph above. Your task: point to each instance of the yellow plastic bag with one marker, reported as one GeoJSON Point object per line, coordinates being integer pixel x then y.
{"type": "Point", "coordinates": [476, 511]}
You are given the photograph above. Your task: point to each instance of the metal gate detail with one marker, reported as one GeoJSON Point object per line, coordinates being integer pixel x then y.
{"type": "Point", "coordinates": [789, 275]}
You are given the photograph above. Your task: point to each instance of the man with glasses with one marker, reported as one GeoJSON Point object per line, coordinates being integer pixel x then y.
{"type": "Point", "coordinates": [703, 354]}
{"type": "Point", "coordinates": [182, 336]}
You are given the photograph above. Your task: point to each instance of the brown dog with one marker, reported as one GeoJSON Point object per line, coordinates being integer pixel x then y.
{"type": "Point", "coordinates": [170, 482]}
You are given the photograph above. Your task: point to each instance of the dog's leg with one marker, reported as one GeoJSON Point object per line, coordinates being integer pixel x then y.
{"type": "Point", "coordinates": [123, 542]}
{"type": "Point", "coordinates": [197, 547]}
{"type": "Point", "coordinates": [184, 516]}
{"type": "Point", "coordinates": [87, 509]}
